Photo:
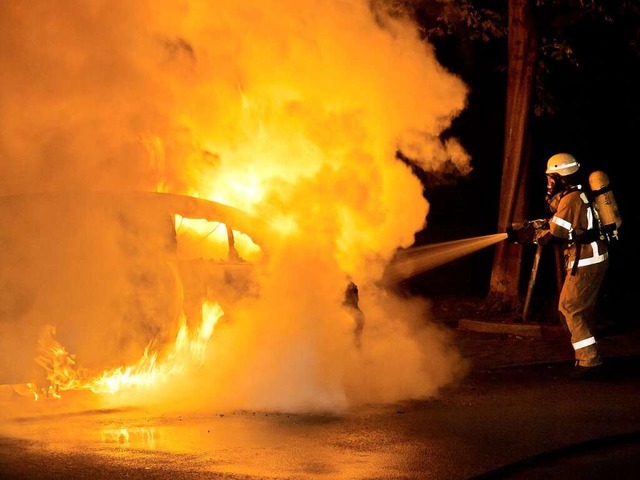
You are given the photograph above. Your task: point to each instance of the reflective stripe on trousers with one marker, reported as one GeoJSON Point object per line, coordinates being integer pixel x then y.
{"type": "Point", "coordinates": [577, 303]}
{"type": "Point", "coordinates": [584, 343]}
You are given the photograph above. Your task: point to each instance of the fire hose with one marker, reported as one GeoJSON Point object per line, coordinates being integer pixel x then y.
{"type": "Point", "coordinates": [532, 281]}
{"type": "Point", "coordinates": [525, 233]}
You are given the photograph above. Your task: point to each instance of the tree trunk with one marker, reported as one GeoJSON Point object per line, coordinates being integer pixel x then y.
{"type": "Point", "coordinates": [522, 58]}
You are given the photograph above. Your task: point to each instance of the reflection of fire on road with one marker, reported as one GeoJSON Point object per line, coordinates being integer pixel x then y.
{"type": "Point", "coordinates": [288, 112]}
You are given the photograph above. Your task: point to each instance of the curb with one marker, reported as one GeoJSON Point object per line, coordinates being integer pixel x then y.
{"type": "Point", "coordinates": [520, 329]}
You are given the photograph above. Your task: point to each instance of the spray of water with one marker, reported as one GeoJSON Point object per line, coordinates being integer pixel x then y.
{"type": "Point", "coordinates": [416, 260]}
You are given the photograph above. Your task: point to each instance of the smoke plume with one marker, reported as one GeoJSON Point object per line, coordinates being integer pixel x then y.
{"type": "Point", "coordinates": [289, 111]}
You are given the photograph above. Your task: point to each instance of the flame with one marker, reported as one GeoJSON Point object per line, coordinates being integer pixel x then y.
{"type": "Point", "coordinates": [200, 238]}
{"type": "Point", "coordinates": [187, 351]}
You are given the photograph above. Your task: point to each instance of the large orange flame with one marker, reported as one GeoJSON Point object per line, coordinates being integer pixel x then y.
{"type": "Point", "coordinates": [150, 371]}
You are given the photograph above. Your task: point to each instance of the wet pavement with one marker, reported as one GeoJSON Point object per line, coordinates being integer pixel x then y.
{"type": "Point", "coordinates": [516, 415]}
{"type": "Point", "coordinates": [490, 344]}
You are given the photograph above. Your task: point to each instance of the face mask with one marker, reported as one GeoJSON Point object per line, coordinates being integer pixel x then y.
{"type": "Point", "coordinates": [553, 202]}
{"type": "Point", "coordinates": [551, 188]}
{"type": "Point", "coordinates": [555, 186]}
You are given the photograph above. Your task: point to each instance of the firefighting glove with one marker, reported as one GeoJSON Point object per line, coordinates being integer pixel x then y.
{"type": "Point", "coordinates": [542, 237]}
{"type": "Point", "coordinates": [539, 223]}
{"type": "Point", "coordinates": [522, 233]}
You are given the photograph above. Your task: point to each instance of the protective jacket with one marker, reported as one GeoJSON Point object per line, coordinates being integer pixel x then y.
{"type": "Point", "coordinates": [575, 222]}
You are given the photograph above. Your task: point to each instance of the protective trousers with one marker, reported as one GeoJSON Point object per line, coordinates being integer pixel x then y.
{"type": "Point", "coordinates": [577, 302]}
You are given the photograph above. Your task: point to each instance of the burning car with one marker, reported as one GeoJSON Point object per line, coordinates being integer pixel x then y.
{"type": "Point", "coordinates": [105, 278]}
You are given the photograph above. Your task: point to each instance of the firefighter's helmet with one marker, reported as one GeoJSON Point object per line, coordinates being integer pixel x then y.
{"type": "Point", "coordinates": [563, 164]}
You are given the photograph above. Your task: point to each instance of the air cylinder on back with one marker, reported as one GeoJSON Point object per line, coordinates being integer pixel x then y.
{"type": "Point", "coordinates": [605, 204]}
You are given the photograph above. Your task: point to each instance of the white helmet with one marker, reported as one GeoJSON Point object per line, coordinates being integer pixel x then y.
{"type": "Point", "coordinates": [563, 164]}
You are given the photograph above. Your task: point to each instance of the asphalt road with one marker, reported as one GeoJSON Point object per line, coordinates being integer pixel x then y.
{"type": "Point", "coordinates": [514, 422]}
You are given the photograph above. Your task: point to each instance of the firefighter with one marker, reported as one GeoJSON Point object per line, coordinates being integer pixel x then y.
{"type": "Point", "coordinates": [573, 224]}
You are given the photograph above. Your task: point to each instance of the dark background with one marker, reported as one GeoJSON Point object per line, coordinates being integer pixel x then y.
{"type": "Point", "coordinates": [596, 118]}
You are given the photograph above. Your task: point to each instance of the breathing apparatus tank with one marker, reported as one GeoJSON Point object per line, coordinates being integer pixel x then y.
{"type": "Point", "coordinates": [605, 205]}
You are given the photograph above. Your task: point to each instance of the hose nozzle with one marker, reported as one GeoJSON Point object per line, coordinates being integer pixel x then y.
{"type": "Point", "coordinates": [525, 232]}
